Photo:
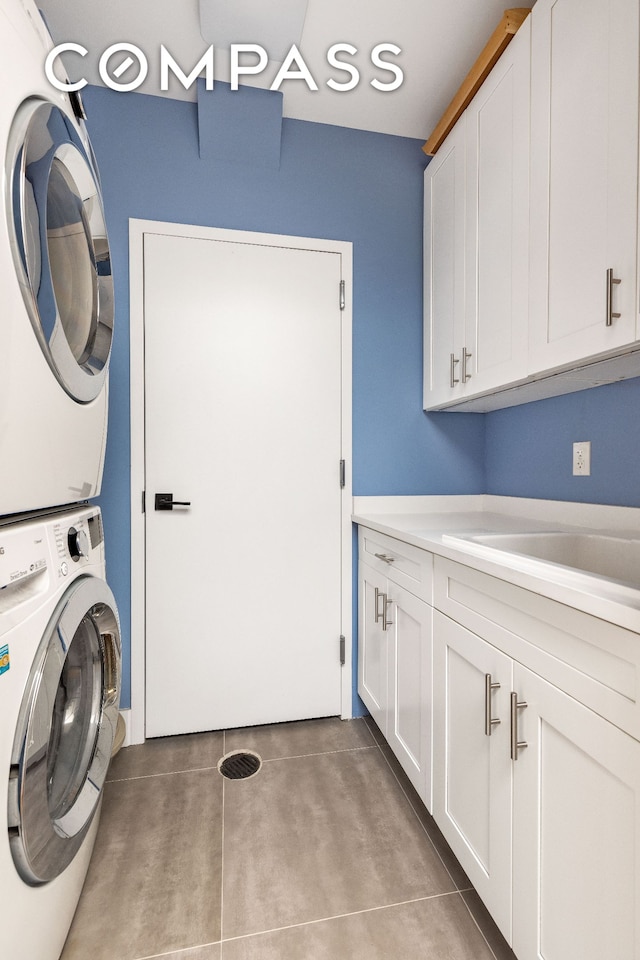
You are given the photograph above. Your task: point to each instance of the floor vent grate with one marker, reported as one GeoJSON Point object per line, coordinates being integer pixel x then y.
{"type": "Point", "coordinates": [239, 765]}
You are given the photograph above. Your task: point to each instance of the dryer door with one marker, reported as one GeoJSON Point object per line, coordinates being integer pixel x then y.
{"type": "Point", "coordinates": [65, 732]}
{"type": "Point", "coordinates": [59, 243]}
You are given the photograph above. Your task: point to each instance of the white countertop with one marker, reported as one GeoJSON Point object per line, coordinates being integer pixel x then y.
{"type": "Point", "coordinates": [427, 522]}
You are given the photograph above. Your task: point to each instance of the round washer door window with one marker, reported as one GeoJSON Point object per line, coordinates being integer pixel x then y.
{"type": "Point", "coordinates": [65, 732]}
{"type": "Point", "coordinates": [60, 246]}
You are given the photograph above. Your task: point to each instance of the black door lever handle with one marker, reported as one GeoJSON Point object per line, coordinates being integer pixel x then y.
{"type": "Point", "coordinates": [165, 501]}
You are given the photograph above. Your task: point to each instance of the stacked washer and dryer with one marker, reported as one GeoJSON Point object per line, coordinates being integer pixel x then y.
{"type": "Point", "coordinates": [60, 653]}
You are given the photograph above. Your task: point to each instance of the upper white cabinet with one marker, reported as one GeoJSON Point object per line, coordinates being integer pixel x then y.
{"type": "Point", "coordinates": [476, 239]}
{"type": "Point", "coordinates": [584, 179]}
{"type": "Point", "coordinates": [444, 246]}
{"type": "Point", "coordinates": [497, 220]}
{"type": "Point", "coordinates": [531, 217]}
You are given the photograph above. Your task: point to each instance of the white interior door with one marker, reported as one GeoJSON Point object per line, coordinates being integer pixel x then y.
{"type": "Point", "coordinates": [243, 419]}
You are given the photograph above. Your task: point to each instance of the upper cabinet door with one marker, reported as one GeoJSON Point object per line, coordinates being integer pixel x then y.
{"type": "Point", "coordinates": [497, 219]}
{"type": "Point", "coordinates": [584, 173]}
{"type": "Point", "coordinates": [444, 220]}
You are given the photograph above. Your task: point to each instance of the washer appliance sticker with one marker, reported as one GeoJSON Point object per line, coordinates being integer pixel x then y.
{"type": "Point", "coordinates": [4, 659]}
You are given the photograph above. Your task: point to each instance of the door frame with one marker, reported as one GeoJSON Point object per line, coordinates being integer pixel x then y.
{"type": "Point", "coordinates": [137, 230]}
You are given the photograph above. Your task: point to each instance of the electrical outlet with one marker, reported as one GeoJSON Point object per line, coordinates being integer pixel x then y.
{"type": "Point", "coordinates": [582, 459]}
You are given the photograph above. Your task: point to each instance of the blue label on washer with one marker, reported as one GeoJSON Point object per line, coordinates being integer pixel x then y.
{"type": "Point", "coordinates": [4, 659]}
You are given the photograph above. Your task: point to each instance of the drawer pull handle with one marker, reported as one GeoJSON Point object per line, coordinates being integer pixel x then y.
{"type": "Point", "coordinates": [489, 721]}
{"type": "Point", "coordinates": [385, 557]}
{"type": "Point", "coordinates": [515, 743]}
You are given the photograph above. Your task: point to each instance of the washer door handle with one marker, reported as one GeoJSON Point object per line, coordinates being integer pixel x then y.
{"type": "Point", "coordinates": [165, 501]}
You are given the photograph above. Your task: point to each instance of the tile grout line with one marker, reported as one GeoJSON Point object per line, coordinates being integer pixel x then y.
{"type": "Point", "coordinates": [480, 931]}
{"type": "Point", "coordinates": [416, 815]}
{"type": "Point", "coordinates": [297, 756]}
{"type": "Point", "coordinates": [329, 919]}
{"type": "Point", "coordinates": [338, 916]}
{"type": "Point", "coordinates": [460, 892]}
{"type": "Point", "coordinates": [321, 753]}
{"type": "Point", "coordinates": [176, 953]}
{"type": "Point", "coordinates": [185, 950]}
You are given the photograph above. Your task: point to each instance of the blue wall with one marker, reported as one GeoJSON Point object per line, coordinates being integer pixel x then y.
{"type": "Point", "coordinates": [529, 449]}
{"type": "Point", "coordinates": [333, 183]}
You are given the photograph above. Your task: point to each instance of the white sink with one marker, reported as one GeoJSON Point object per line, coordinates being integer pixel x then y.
{"type": "Point", "coordinates": [614, 557]}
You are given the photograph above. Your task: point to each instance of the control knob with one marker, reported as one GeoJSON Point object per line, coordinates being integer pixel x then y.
{"type": "Point", "coordinates": [78, 543]}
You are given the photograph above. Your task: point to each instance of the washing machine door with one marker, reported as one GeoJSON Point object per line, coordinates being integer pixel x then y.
{"type": "Point", "coordinates": [60, 246]}
{"type": "Point", "coordinates": [65, 732]}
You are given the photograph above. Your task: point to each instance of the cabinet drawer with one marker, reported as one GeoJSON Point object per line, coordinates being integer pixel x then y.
{"type": "Point", "coordinates": [596, 662]}
{"type": "Point", "coordinates": [408, 566]}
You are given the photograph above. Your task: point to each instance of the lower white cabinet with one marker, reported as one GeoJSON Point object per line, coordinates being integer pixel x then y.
{"type": "Point", "coordinates": [409, 686]}
{"type": "Point", "coordinates": [576, 830]}
{"type": "Point", "coordinates": [394, 665]}
{"type": "Point", "coordinates": [372, 645]}
{"type": "Point", "coordinates": [533, 770]}
{"type": "Point", "coordinates": [539, 798]}
{"type": "Point", "coordinates": [472, 768]}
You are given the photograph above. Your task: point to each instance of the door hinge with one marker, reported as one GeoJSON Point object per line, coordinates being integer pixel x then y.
{"type": "Point", "coordinates": [343, 653]}
{"type": "Point", "coordinates": [342, 295]}
{"type": "Point", "coordinates": [144, 504]}
{"type": "Point", "coordinates": [343, 473]}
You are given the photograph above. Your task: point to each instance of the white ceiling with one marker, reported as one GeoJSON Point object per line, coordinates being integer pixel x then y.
{"type": "Point", "coordinates": [439, 40]}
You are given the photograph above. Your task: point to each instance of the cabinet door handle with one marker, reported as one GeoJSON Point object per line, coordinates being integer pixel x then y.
{"type": "Point", "coordinates": [376, 612]}
{"type": "Point", "coordinates": [385, 603]}
{"type": "Point", "coordinates": [489, 721]}
{"type": "Point", "coordinates": [515, 743]}
{"type": "Point", "coordinates": [385, 557]}
{"type": "Point", "coordinates": [465, 357]}
{"type": "Point", "coordinates": [452, 370]}
{"type": "Point", "coordinates": [611, 316]}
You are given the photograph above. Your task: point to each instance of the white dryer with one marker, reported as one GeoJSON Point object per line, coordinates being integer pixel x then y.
{"type": "Point", "coordinates": [60, 669]}
{"type": "Point", "coordinates": [55, 282]}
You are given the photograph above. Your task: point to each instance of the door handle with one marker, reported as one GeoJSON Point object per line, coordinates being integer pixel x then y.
{"type": "Point", "coordinates": [165, 501]}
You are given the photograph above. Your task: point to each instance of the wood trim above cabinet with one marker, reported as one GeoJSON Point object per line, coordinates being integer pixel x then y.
{"type": "Point", "coordinates": [509, 25]}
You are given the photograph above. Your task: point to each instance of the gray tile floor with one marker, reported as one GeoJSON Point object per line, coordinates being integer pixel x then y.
{"type": "Point", "coordinates": [325, 854]}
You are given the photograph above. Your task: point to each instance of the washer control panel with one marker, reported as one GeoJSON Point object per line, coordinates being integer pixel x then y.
{"type": "Point", "coordinates": [21, 557]}
{"type": "Point", "coordinates": [39, 554]}
{"type": "Point", "coordinates": [76, 537]}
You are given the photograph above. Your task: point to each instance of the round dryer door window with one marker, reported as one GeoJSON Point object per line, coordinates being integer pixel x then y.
{"type": "Point", "coordinates": [60, 246]}
{"type": "Point", "coordinates": [65, 732]}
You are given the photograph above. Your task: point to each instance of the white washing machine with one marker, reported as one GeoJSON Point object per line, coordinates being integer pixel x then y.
{"type": "Point", "coordinates": [56, 286]}
{"type": "Point", "coordinates": [60, 669]}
